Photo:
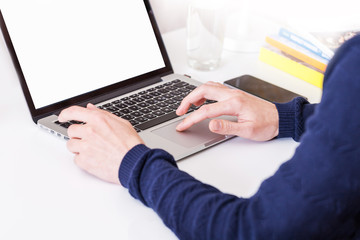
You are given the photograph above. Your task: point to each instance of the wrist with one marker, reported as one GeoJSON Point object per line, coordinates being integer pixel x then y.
{"type": "Point", "coordinates": [129, 162]}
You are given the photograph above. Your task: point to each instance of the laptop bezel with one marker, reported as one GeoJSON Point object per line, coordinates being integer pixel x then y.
{"type": "Point", "coordinates": [129, 84]}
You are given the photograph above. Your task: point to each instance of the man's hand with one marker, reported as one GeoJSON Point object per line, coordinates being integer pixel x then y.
{"type": "Point", "coordinates": [257, 119]}
{"type": "Point", "coordinates": [100, 144]}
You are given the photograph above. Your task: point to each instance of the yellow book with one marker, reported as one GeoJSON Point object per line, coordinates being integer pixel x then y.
{"type": "Point", "coordinates": [278, 59]}
{"type": "Point", "coordinates": [298, 52]}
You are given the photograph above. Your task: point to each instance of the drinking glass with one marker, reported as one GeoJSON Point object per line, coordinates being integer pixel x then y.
{"type": "Point", "coordinates": [205, 33]}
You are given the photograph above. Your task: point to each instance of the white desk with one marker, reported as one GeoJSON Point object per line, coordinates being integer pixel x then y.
{"type": "Point", "coordinates": [45, 196]}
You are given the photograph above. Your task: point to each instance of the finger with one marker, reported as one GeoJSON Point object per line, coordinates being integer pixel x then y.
{"type": "Point", "coordinates": [91, 106]}
{"type": "Point", "coordinates": [75, 113]}
{"type": "Point", "coordinates": [212, 91]}
{"type": "Point", "coordinates": [225, 127]}
{"type": "Point", "coordinates": [77, 131]}
{"type": "Point", "coordinates": [205, 112]}
{"type": "Point", "coordinates": [74, 145]}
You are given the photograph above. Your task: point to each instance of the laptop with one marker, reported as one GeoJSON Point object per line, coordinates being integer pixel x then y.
{"type": "Point", "coordinates": [109, 53]}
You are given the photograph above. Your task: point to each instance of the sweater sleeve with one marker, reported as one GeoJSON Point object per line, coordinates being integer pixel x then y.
{"type": "Point", "coordinates": [314, 195]}
{"type": "Point", "coordinates": [292, 117]}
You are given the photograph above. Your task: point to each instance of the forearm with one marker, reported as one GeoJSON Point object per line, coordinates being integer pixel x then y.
{"type": "Point", "coordinates": [292, 117]}
{"type": "Point", "coordinates": [191, 209]}
{"type": "Point", "coordinates": [287, 205]}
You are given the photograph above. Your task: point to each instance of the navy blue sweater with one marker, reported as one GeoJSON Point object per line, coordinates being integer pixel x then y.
{"type": "Point", "coordinates": [314, 195]}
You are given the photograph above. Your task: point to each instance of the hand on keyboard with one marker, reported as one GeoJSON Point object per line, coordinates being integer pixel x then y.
{"type": "Point", "coordinates": [100, 144]}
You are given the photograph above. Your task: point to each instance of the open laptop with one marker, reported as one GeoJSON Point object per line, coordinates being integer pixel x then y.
{"type": "Point", "coordinates": [109, 53]}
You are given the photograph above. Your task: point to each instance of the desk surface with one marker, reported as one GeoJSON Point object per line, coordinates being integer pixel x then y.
{"type": "Point", "coordinates": [45, 196]}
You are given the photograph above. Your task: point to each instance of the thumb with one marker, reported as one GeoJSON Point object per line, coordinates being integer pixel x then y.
{"type": "Point", "coordinates": [224, 127]}
{"type": "Point", "coordinates": [91, 106]}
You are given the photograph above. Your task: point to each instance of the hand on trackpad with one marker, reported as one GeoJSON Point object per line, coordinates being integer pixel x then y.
{"type": "Point", "coordinates": [198, 134]}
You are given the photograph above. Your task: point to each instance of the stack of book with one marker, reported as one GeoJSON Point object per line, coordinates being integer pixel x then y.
{"type": "Point", "coordinates": [296, 55]}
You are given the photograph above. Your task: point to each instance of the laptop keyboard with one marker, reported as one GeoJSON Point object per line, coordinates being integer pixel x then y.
{"type": "Point", "coordinates": [150, 107]}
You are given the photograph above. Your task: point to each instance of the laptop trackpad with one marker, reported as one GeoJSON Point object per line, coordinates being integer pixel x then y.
{"type": "Point", "coordinates": [199, 134]}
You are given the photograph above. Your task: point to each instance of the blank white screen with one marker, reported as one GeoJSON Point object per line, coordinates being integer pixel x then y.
{"type": "Point", "coordinates": [70, 47]}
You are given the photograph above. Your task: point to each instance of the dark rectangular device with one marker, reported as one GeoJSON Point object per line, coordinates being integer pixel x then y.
{"type": "Point", "coordinates": [262, 89]}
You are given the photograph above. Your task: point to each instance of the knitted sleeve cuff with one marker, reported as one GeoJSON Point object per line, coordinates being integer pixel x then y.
{"type": "Point", "coordinates": [291, 122]}
{"type": "Point", "coordinates": [129, 162]}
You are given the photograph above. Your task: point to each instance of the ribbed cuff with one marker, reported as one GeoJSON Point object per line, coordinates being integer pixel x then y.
{"type": "Point", "coordinates": [286, 119]}
{"type": "Point", "coordinates": [129, 162]}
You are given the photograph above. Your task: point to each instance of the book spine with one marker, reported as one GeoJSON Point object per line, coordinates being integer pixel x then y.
{"type": "Point", "coordinates": [302, 42]}
{"type": "Point", "coordinates": [289, 66]}
{"type": "Point", "coordinates": [295, 53]}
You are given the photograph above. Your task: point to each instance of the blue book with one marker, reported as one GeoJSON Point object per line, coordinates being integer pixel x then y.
{"type": "Point", "coordinates": [302, 42]}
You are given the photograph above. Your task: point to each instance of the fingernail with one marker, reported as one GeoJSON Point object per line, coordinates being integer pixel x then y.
{"type": "Point", "coordinates": [179, 127]}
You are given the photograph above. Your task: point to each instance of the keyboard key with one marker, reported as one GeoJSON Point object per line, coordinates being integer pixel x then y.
{"type": "Point", "coordinates": [167, 110]}
{"type": "Point", "coordinates": [65, 124]}
{"type": "Point", "coordinates": [150, 116]}
{"type": "Point", "coordinates": [134, 108]}
{"type": "Point", "coordinates": [138, 99]}
{"type": "Point", "coordinates": [116, 102]}
{"type": "Point", "coordinates": [130, 102]}
{"type": "Point", "coordinates": [111, 109]}
{"type": "Point", "coordinates": [143, 104]}
{"type": "Point", "coordinates": [174, 106]}
{"type": "Point", "coordinates": [171, 101]}
{"type": "Point", "coordinates": [141, 119]}
{"type": "Point", "coordinates": [160, 98]}
{"type": "Point", "coordinates": [125, 111]}
{"type": "Point", "coordinates": [152, 101]}
{"type": "Point", "coordinates": [176, 81]}
{"type": "Point", "coordinates": [157, 121]}
{"type": "Point", "coordinates": [154, 107]}
{"type": "Point", "coordinates": [145, 110]}
{"type": "Point", "coordinates": [176, 93]}
{"type": "Point", "coordinates": [210, 101]}
{"type": "Point", "coordinates": [163, 90]}
{"type": "Point", "coordinates": [166, 95]}
{"type": "Point", "coordinates": [155, 94]}
{"type": "Point", "coordinates": [133, 122]}
{"type": "Point", "coordinates": [158, 113]}
{"type": "Point", "coordinates": [171, 88]}
{"type": "Point", "coordinates": [178, 98]}
{"type": "Point", "coordinates": [194, 107]}
{"type": "Point", "coordinates": [184, 90]}
{"type": "Point", "coordinates": [118, 114]}
{"type": "Point", "coordinates": [76, 122]}
{"type": "Point", "coordinates": [190, 87]}
{"type": "Point", "coordinates": [106, 105]}
{"type": "Point", "coordinates": [121, 105]}
{"type": "Point", "coordinates": [147, 96]}
{"type": "Point", "coordinates": [127, 117]}
{"type": "Point", "coordinates": [181, 84]}
{"type": "Point", "coordinates": [136, 114]}
{"type": "Point", "coordinates": [162, 104]}
{"type": "Point", "coordinates": [150, 90]}
{"type": "Point", "coordinates": [159, 87]}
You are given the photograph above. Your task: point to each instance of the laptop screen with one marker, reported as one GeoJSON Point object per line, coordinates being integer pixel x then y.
{"type": "Point", "coordinates": [70, 47]}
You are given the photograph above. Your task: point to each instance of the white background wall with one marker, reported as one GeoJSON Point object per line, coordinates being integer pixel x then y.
{"type": "Point", "coordinates": [171, 14]}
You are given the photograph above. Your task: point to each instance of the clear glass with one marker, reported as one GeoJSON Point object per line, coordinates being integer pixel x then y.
{"type": "Point", "coordinates": [205, 34]}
